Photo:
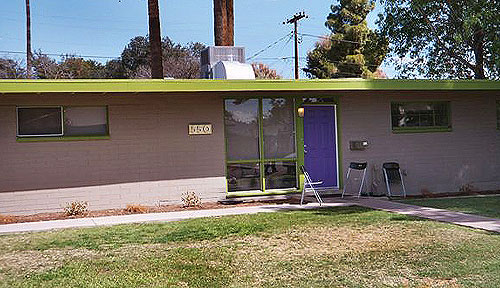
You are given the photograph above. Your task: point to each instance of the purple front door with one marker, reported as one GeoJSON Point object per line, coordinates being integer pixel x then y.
{"type": "Point", "coordinates": [320, 145]}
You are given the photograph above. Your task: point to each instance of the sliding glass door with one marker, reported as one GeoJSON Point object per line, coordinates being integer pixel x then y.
{"type": "Point", "coordinates": [260, 144]}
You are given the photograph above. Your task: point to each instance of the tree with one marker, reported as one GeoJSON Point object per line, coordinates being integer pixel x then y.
{"type": "Point", "coordinates": [262, 71]}
{"type": "Point", "coordinates": [224, 22]}
{"type": "Point", "coordinates": [69, 67]}
{"type": "Point", "coordinates": [11, 69]}
{"type": "Point", "coordinates": [352, 50]}
{"type": "Point", "coordinates": [444, 38]}
{"type": "Point", "coordinates": [155, 39]}
{"type": "Point", "coordinates": [181, 62]}
{"type": "Point", "coordinates": [28, 40]}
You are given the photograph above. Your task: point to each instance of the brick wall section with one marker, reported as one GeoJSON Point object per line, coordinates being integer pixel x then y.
{"type": "Point", "coordinates": [438, 162]}
{"type": "Point", "coordinates": [149, 159]}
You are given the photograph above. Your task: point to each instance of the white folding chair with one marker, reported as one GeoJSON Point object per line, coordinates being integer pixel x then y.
{"type": "Point", "coordinates": [308, 182]}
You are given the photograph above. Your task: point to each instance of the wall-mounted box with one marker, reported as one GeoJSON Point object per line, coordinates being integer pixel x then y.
{"type": "Point", "coordinates": [359, 145]}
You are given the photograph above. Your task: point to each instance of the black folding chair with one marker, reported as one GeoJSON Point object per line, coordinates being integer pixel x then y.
{"type": "Point", "coordinates": [393, 175]}
{"type": "Point", "coordinates": [308, 182]}
{"type": "Point", "coordinates": [356, 166]}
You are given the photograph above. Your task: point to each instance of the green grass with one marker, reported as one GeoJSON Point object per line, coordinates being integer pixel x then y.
{"type": "Point", "coordinates": [488, 206]}
{"type": "Point", "coordinates": [334, 247]}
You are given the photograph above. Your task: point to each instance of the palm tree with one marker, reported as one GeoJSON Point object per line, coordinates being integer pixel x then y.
{"type": "Point", "coordinates": [155, 39]}
{"type": "Point", "coordinates": [223, 22]}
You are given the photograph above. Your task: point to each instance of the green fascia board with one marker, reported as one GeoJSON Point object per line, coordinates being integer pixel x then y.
{"type": "Point", "coordinates": [203, 85]}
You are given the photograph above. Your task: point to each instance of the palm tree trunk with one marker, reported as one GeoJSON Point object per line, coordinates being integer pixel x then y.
{"type": "Point", "coordinates": [220, 22]}
{"type": "Point", "coordinates": [229, 33]}
{"type": "Point", "coordinates": [28, 40]}
{"type": "Point", "coordinates": [155, 39]}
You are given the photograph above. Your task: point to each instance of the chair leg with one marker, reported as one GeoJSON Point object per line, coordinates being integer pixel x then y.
{"type": "Point", "coordinates": [402, 183]}
{"type": "Point", "coordinates": [387, 183]}
{"type": "Point", "coordinates": [346, 182]}
{"type": "Point", "coordinates": [362, 183]}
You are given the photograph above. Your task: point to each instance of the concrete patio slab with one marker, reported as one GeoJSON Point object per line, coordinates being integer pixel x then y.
{"type": "Point", "coordinates": [468, 220]}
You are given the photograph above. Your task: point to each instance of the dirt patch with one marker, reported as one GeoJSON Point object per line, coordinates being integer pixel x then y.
{"type": "Point", "coordinates": [9, 219]}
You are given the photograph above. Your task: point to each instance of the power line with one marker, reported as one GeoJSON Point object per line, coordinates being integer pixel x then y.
{"type": "Point", "coordinates": [61, 54]}
{"type": "Point", "coordinates": [269, 46]}
{"type": "Point", "coordinates": [329, 38]}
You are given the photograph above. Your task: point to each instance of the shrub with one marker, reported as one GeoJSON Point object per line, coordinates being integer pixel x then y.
{"type": "Point", "coordinates": [190, 199]}
{"type": "Point", "coordinates": [76, 208]}
{"type": "Point", "coordinates": [134, 208]}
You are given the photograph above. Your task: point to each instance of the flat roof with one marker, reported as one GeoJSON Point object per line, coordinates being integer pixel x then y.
{"type": "Point", "coordinates": [203, 85]}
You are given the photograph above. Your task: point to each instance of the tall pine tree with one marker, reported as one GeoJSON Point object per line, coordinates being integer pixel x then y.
{"type": "Point", "coordinates": [352, 50]}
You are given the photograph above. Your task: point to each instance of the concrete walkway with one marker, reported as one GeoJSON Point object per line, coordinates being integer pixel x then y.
{"type": "Point", "coordinates": [468, 220]}
{"type": "Point", "coordinates": [152, 217]}
{"type": "Point", "coordinates": [472, 221]}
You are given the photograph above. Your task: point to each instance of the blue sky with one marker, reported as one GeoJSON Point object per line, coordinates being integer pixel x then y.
{"type": "Point", "coordinates": [104, 27]}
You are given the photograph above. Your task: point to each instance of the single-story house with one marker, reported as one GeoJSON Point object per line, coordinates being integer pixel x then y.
{"type": "Point", "coordinates": [117, 142]}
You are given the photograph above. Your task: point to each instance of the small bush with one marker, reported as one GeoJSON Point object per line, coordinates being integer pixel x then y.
{"type": "Point", "coordinates": [467, 188]}
{"type": "Point", "coordinates": [133, 208]}
{"type": "Point", "coordinates": [6, 219]}
{"type": "Point", "coordinates": [190, 199]}
{"type": "Point", "coordinates": [76, 208]}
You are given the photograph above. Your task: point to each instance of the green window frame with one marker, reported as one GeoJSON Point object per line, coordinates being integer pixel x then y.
{"type": "Point", "coordinates": [260, 167]}
{"type": "Point", "coordinates": [89, 127]}
{"type": "Point", "coordinates": [421, 116]}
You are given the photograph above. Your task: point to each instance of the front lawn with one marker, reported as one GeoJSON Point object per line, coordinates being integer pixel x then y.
{"type": "Point", "coordinates": [488, 206]}
{"type": "Point", "coordinates": [334, 247]}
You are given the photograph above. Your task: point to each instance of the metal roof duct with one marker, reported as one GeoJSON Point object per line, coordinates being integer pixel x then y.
{"type": "Point", "coordinates": [233, 71]}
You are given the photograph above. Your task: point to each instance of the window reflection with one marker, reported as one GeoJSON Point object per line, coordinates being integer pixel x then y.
{"type": "Point", "coordinates": [279, 128]}
{"type": "Point", "coordinates": [280, 175]}
{"type": "Point", "coordinates": [243, 177]}
{"type": "Point", "coordinates": [433, 114]}
{"type": "Point", "coordinates": [242, 129]}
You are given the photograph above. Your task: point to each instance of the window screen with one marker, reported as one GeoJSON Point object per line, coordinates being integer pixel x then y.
{"type": "Point", "coordinates": [85, 121]}
{"type": "Point", "coordinates": [40, 121]}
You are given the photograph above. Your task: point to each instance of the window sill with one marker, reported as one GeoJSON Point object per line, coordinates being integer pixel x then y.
{"type": "Point", "coordinates": [262, 193]}
{"type": "Point", "coordinates": [421, 130]}
{"type": "Point", "coordinates": [62, 138]}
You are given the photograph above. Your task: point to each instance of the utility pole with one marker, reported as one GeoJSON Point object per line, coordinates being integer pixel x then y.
{"type": "Point", "coordinates": [295, 19]}
{"type": "Point", "coordinates": [28, 40]}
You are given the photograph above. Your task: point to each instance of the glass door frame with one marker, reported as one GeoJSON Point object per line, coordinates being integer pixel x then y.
{"type": "Point", "coordinates": [298, 102]}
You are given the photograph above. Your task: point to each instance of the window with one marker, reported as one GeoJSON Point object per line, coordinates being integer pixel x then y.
{"type": "Point", "coordinates": [260, 144]}
{"type": "Point", "coordinates": [62, 121]}
{"type": "Point", "coordinates": [421, 116]}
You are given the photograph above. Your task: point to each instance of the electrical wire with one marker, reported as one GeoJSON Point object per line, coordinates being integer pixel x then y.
{"type": "Point", "coordinates": [62, 54]}
{"type": "Point", "coordinates": [328, 38]}
{"type": "Point", "coordinates": [269, 46]}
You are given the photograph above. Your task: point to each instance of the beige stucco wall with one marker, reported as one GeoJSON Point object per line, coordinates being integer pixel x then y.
{"type": "Point", "coordinates": [150, 158]}
{"type": "Point", "coordinates": [437, 162]}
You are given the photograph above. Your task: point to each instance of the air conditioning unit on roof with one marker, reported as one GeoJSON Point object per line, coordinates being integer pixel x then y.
{"type": "Point", "coordinates": [213, 54]}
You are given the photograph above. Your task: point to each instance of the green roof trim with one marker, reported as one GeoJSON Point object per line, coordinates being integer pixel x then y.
{"type": "Point", "coordinates": [202, 85]}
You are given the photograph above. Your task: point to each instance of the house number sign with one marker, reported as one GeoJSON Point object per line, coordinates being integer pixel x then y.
{"type": "Point", "coordinates": [200, 129]}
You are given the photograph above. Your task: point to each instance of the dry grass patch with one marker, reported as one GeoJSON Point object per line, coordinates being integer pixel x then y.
{"type": "Point", "coordinates": [30, 261]}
